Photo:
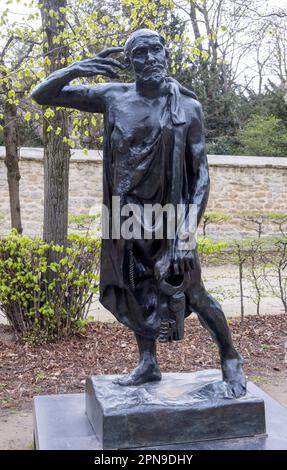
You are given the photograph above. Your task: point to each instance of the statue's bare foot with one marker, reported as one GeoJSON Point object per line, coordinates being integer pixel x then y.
{"type": "Point", "coordinates": [233, 376]}
{"type": "Point", "coordinates": [144, 372]}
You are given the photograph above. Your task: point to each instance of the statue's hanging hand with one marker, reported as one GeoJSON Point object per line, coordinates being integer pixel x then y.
{"type": "Point", "coordinates": [174, 264]}
{"type": "Point", "coordinates": [163, 267]}
{"type": "Point", "coordinates": [182, 262]}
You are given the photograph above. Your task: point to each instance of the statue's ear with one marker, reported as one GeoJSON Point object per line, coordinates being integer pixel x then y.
{"type": "Point", "coordinates": [127, 62]}
{"type": "Point", "coordinates": [166, 53]}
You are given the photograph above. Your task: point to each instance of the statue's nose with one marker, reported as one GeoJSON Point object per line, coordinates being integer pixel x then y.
{"type": "Point", "coordinates": [150, 58]}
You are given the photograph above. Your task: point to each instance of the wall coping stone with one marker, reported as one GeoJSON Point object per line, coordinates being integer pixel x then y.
{"type": "Point", "coordinates": [37, 153]}
{"type": "Point", "coordinates": [77, 155]}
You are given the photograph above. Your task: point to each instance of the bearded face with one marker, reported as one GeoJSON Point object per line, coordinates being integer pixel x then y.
{"type": "Point", "coordinates": [149, 60]}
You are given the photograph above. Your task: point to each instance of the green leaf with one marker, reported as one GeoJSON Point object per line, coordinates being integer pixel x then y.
{"type": "Point", "coordinates": [27, 116]}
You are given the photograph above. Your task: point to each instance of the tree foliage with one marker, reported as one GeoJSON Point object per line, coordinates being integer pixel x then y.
{"type": "Point", "coordinates": [263, 135]}
{"type": "Point", "coordinates": [208, 42]}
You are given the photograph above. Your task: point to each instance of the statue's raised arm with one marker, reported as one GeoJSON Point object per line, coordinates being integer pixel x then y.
{"type": "Point", "coordinates": [55, 91]}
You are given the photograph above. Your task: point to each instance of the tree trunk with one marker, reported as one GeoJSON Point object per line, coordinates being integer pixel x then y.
{"type": "Point", "coordinates": [195, 25]}
{"type": "Point", "coordinates": [56, 183]}
{"type": "Point", "coordinates": [12, 163]}
{"type": "Point", "coordinates": [56, 152]}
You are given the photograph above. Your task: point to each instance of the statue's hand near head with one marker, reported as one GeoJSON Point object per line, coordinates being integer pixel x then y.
{"type": "Point", "coordinates": [99, 65]}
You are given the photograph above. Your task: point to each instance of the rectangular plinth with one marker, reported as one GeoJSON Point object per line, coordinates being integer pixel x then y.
{"type": "Point", "coordinates": [182, 408]}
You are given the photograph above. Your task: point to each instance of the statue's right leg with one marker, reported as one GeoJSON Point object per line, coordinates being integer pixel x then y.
{"type": "Point", "coordinates": [147, 369]}
{"type": "Point", "coordinates": [211, 316]}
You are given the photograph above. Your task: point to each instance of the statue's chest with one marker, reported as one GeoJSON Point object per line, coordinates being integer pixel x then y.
{"type": "Point", "coordinates": [136, 124]}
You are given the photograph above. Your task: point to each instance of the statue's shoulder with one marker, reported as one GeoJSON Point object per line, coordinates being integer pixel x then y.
{"type": "Point", "coordinates": [191, 101]}
{"type": "Point", "coordinates": [192, 107]}
{"type": "Point", "coordinates": [107, 92]}
{"type": "Point", "coordinates": [117, 89]}
{"type": "Point", "coordinates": [189, 98]}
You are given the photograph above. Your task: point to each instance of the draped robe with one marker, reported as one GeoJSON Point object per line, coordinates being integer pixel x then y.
{"type": "Point", "coordinates": [143, 170]}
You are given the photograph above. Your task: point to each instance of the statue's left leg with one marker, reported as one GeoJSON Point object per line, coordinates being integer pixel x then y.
{"type": "Point", "coordinates": [211, 316]}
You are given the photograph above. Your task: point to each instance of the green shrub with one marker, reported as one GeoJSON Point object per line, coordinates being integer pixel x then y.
{"type": "Point", "coordinates": [47, 301]}
{"type": "Point", "coordinates": [206, 246]}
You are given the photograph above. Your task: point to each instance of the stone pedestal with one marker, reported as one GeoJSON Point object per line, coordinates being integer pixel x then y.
{"type": "Point", "coordinates": [60, 423]}
{"type": "Point", "coordinates": [182, 408]}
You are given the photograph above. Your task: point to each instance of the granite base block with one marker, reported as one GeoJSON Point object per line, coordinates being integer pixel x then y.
{"type": "Point", "coordinates": [182, 408]}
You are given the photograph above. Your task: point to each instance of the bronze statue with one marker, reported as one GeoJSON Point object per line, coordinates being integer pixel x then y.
{"type": "Point", "coordinates": [153, 154]}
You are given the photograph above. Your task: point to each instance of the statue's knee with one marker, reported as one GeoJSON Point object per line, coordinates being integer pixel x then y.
{"type": "Point", "coordinates": [198, 298]}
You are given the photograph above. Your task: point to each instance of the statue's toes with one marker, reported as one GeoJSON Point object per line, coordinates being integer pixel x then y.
{"type": "Point", "coordinates": [124, 381]}
{"type": "Point", "coordinates": [237, 389]}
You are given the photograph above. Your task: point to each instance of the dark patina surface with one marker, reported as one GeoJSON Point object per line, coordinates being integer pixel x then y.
{"type": "Point", "coordinates": [153, 154]}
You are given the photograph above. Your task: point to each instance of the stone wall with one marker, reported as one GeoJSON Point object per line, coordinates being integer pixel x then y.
{"type": "Point", "coordinates": [237, 184]}
{"type": "Point", "coordinates": [85, 187]}
{"type": "Point", "coordinates": [246, 184]}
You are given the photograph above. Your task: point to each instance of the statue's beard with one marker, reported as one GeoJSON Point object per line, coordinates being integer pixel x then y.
{"type": "Point", "coordinates": [152, 77]}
